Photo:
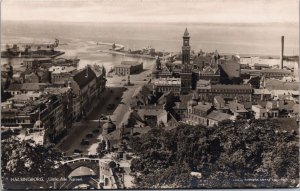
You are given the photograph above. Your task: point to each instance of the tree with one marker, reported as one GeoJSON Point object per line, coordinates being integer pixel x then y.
{"type": "Point", "coordinates": [231, 151]}
{"type": "Point", "coordinates": [20, 159]}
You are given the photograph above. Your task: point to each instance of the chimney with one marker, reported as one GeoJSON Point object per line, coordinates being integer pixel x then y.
{"type": "Point", "coordinates": [282, 52]}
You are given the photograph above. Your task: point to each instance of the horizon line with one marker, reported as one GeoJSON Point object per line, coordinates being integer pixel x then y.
{"type": "Point", "coordinates": [150, 22]}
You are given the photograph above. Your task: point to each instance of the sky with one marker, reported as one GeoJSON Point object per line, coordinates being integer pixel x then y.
{"type": "Point", "coordinates": [187, 11]}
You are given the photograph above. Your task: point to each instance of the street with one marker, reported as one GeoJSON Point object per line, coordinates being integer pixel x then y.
{"type": "Point", "coordinates": [113, 102]}
{"type": "Point", "coordinates": [80, 129]}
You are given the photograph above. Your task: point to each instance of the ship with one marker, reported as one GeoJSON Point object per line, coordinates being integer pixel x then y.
{"type": "Point", "coordinates": [32, 50]}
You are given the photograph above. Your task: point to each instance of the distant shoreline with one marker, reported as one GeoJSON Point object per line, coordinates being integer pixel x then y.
{"type": "Point", "coordinates": [168, 23]}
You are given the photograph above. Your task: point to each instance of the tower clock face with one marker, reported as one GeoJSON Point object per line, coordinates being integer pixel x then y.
{"type": "Point", "coordinates": [186, 42]}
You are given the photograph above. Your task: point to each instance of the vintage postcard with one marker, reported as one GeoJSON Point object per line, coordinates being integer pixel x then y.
{"type": "Point", "coordinates": [149, 94]}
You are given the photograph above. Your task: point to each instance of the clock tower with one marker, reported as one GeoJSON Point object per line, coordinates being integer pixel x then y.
{"type": "Point", "coordinates": [186, 73]}
{"type": "Point", "coordinates": [186, 49]}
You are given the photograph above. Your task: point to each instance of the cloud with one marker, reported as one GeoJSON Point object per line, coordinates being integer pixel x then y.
{"type": "Point", "coordinates": [152, 11]}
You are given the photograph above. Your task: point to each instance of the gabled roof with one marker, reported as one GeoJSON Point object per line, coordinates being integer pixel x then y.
{"type": "Point", "coordinates": [237, 107]}
{"type": "Point", "coordinates": [184, 99]}
{"type": "Point", "coordinates": [150, 112]}
{"type": "Point", "coordinates": [83, 77]}
{"type": "Point", "coordinates": [219, 101]}
{"type": "Point", "coordinates": [296, 108]}
{"type": "Point", "coordinates": [98, 70]}
{"type": "Point", "coordinates": [162, 98]}
{"type": "Point", "coordinates": [231, 67]}
{"type": "Point", "coordinates": [218, 116]}
{"type": "Point", "coordinates": [210, 70]}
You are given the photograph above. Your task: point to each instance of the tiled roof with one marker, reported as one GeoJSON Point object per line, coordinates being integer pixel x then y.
{"type": "Point", "coordinates": [98, 70]}
{"type": "Point", "coordinates": [296, 108]}
{"type": "Point", "coordinates": [14, 87]}
{"type": "Point", "coordinates": [231, 86]}
{"type": "Point", "coordinates": [271, 70]}
{"type": "Point", "coordinates": [281, 105]}
{"type": "Point", "coordinates": [232, 68]}
{"type": "Point", "coordinates": [262, 65]}
{"type": "Point", "coordinates": [210, 70]}
{"type": "Point", "coordinates": [33, 86]}
{"type": "Point", "coordinates": [150, 112]}
{"type": "Point", "coordinates": [280, 85]}
{"type": "Point", "coordinates": [184, 99]}
{"type": "Point", "coordinates": [218, 116]}
{"type": "Point", "coordinates": [237, 107]}
{"type": "Point", "coordinates": [220, 100]}
{"type": "Point", "coordinates": [83, 77]}
{"type": "Point", "coordinates": [58, 90]}
{"type": "Point", "coordinates": [203, 106]}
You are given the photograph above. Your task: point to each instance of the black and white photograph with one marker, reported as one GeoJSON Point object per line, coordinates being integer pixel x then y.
{"type": "Point", "coordinates": [149, 94]}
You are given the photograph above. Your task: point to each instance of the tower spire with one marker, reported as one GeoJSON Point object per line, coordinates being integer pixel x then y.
{"type": "Point", "coordinates": [186, 33]}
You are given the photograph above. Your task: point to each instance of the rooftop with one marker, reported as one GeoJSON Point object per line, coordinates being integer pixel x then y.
{"type": "Point", "coordinates": [150, 112]}
{"type": "Point", "coordinates": [167, 81]}
{"type": "Point", "coordinates": [33, 86]}
{"type": "Point", "coordinates": [184, 99]}
{"type": "Point", "coordinates": [218, 116]}
{"type": "Point", "coordinates": [231, 67]}
{"type": "Point", "coordinates": [203, 106]}
{"type": "Point", "coordinates": [261, 91]}
{"type": "Point", "coordinates": [271, 70]}
{"type": "Point", "coordinates": [237, 107]}
{"type": "Point", "coordinates": [61, 69]}
{"type": "Point", "coordinates": [262, 65]}
{"type": "Point", "coordinates": [220, 100]}
{"type": "Point", "coordinates": [24, 97]}
{"type": "Point", "coordinates": [123, 66]}
{"type": "Point", "coordinates": [14, 87]}
{"type": "Point", "coordinates": [56, 90]}
{"type": "Point", "coordinates": [131, 63]}
{"type": "Point", "coordinates": [231, 86]}
{"type": "Point", "coordinates": [85, 76]}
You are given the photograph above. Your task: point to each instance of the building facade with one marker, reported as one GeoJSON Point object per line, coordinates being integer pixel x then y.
{"type": "Point", "coordinates": [231, 92]}
{"type": "Point", "coordinates": [128, 67]}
